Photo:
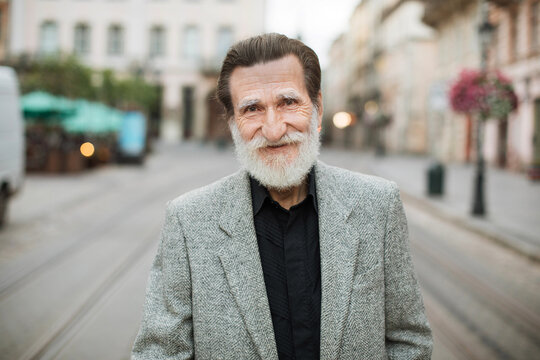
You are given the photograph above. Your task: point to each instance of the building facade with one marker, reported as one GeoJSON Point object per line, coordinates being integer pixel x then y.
{"type": "Point", "coordinates": [352, 74]}
{"type": "Point", "coordinates": [178, 44]}
{"type": "Point", "coordinates": [407, 69]}
{"type": "Point", "coordinates": [515, 51]}
{"type": "Point", "coordinates": [382, 67]}
{"type": "Point", "coordinates": [457, 48]}
{"type": "Point", "coordinates": [4, 28]}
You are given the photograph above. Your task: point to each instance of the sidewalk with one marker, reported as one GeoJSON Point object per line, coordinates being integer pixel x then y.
{"type": "Point", "coordinates": [512, 201]}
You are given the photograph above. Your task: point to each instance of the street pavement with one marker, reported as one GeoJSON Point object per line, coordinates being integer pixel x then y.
{"type": "Point", "coordinates": [75, 258]}
{"type": "Point", "coordinates": [512, 201]}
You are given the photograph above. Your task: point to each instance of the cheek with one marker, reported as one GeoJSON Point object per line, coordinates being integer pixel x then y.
{"type": "Point", "coordinates": [247, 129]}
{"type": "Point", "coordinates": [299, 120]}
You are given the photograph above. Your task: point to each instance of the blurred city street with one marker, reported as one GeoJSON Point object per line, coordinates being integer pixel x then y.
{"type": "Point", "coordinates": [75, 256]}
{"type": "Point", "coordinates": [109, 109]}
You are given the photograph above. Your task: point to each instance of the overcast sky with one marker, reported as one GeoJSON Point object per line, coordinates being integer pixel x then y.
{"type": "Point", "coordinates": [318, 21]}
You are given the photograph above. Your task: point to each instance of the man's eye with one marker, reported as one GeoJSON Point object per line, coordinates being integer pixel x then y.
{"type": "Point", "coordinates": [251, 108]}
{"type": "Point", "coordinates": [290, 101]}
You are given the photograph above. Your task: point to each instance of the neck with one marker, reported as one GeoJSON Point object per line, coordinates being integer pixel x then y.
{"type": "Point", "coordinates": [289, 197]}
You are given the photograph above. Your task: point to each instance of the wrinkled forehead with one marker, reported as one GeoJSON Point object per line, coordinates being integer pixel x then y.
{"type": "Point", "coordinates": [278, 78]}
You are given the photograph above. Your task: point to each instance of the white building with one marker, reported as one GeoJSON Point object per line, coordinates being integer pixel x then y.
{"type": "Point", "coordinates": [176, 43]}
{"type": "Point", "coordinates": [406, 69]}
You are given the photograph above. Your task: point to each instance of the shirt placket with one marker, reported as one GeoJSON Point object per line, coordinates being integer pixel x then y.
{"type": "Point", "coordinates": [294, 250]}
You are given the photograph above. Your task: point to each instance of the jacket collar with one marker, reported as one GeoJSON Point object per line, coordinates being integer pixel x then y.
{"type": "Point", "coordinates": [259, 193]}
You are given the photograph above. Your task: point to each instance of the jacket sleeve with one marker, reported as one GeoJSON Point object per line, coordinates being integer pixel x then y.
{"type": "Point", "coordinates": [166, 330]}
{"type": "Point", "coordinates": [408, 335]}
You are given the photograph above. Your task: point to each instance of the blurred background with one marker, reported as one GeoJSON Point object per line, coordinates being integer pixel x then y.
{"type": "Point", "coordinates": [108, 110]}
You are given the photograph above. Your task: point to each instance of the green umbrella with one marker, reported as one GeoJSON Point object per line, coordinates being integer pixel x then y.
{"type": "Point", "coordinates": [93, 118]}
{"type": "Point", "coordinates": [40, 104]}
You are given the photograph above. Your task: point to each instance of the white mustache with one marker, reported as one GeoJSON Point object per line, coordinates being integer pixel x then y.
{"type": "Point", "coordinates": [290, 138]}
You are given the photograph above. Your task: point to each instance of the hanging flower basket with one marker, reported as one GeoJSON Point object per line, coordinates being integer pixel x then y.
{"type": "Point", "coordinates": [491, 95]}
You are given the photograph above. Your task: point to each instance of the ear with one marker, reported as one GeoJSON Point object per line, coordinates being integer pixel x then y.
{"type": "Point", "coordinates": [320, 112]}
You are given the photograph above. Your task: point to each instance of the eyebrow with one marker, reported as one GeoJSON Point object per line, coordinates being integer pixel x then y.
{"type": "Point", "coordinates": [247, 103]}
{"type": "Point", "coordinates": [291, 94]}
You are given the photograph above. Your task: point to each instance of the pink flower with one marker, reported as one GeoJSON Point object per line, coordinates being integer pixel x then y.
{"type": "Point", "coordinates": [490, 95]}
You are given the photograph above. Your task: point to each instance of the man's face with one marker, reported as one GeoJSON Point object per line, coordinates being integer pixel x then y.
{"type": "Point", "coordinates": [275, 125]}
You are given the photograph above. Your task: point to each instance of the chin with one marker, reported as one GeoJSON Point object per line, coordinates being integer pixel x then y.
{"type": "Point", "coordinates": [280, 171]}
{"type": "Point", "coordinates": [277, 161]}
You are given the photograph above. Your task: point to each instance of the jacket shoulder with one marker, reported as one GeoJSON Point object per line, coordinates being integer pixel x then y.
{"type": "Point", "coordinates": [206, 200]}
{"type": "Point", "coordinates": [351, 181]}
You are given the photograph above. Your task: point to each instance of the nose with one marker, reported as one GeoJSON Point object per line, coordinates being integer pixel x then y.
{"type": "Point", "coordinates": [273, 128]}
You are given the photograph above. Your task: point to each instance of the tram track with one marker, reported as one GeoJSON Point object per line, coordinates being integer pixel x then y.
{"type": "Point", "coordinates": [55, 331]}
{"type": "Point", "coordinates": [64, 329]}
{"type": "Point", "coordinates": [17, 279]}
{"type": "Point", "coordinates": [96, 194]}
{"type": "Point", "coordinates": [451, 338]}
{"type": "Point", "coordinates": [468, 289]}
{"type": "Point", "coordinates": [524, 319]}
{"type": "Point", "coordinates": [460, 342]}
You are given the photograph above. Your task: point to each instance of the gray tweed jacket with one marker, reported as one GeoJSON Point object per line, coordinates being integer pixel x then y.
{"type": "Point", "coordinates": [206, 297]}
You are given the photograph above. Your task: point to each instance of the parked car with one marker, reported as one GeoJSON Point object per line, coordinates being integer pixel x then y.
{"type": "Point", "coordinates": [12, 142]}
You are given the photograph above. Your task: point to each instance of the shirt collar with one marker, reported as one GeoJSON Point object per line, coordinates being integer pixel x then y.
{"type": "Point", "coordinates": [259, 193]}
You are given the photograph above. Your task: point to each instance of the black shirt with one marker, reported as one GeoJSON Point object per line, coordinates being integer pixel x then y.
{"type": "Point", "coordinates": [289, 249]}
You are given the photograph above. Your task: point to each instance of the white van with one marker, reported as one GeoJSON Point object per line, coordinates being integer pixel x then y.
{"type": "Point", "coordinates": [12, 144]}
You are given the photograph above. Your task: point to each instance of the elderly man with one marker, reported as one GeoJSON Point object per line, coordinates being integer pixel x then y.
{"type": "Point", "coordinates": [288, 258]}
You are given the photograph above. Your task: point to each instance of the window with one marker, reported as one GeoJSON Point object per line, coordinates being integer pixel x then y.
{"type": "Point", "coordinates": [82, 39]}
{"type": "Point", "coordinates": [191, 43]}
{"type": "Point", "coordinates": [535, 26]}
{"type": "Point", "coordinates": [115, 40]}
{"type": "Point", "coordinates": [513, 35]}
{"type": "Point", "coordinates": [224, 40]}
{"type": "Point", "coordinates": [1, 24]}
{"type": "Point", "coordinates": [495, 45]}
{"type": "Point", "coordinates": [48, 37]}
{"type": "Point", "coordinates": [188, 104]}
{"type": "Point", "coordinates": [157, 41]}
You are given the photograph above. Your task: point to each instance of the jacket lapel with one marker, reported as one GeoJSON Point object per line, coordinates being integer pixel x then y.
{"type": "Point", "coordinates": [339, 253]}
{"type": "Point", "coordinates": [242, 265]}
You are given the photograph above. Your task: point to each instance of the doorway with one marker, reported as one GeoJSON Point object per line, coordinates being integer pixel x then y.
{"type": "Point", "coordinates": [188, 112]}
{"type": "Point", "coordinates": [536, 135]}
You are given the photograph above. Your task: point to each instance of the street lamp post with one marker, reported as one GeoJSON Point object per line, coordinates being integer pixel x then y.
{"type": "Point", "coordinates": [485, 32]}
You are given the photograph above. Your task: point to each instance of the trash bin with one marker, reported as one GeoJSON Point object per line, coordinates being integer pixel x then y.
{"type": "Point", "coordinates": [435, 179]}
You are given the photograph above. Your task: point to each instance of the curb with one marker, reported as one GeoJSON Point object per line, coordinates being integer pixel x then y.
{"type": "Point", "coordinates": [511, 242]}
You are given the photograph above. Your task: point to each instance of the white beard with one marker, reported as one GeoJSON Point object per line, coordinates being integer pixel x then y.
{"type": "Point", "coordinates": [279, 172]}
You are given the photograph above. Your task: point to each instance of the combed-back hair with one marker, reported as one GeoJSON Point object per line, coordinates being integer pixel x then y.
{"type": "Point", "coordinates": [264, 48]}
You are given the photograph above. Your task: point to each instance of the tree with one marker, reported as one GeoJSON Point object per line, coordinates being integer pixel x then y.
{"type": "Point", "coordinates": [67, 76]}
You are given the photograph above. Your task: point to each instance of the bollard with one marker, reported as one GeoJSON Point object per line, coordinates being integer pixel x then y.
{"type": "Point", "coordinates": [435, 179]}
